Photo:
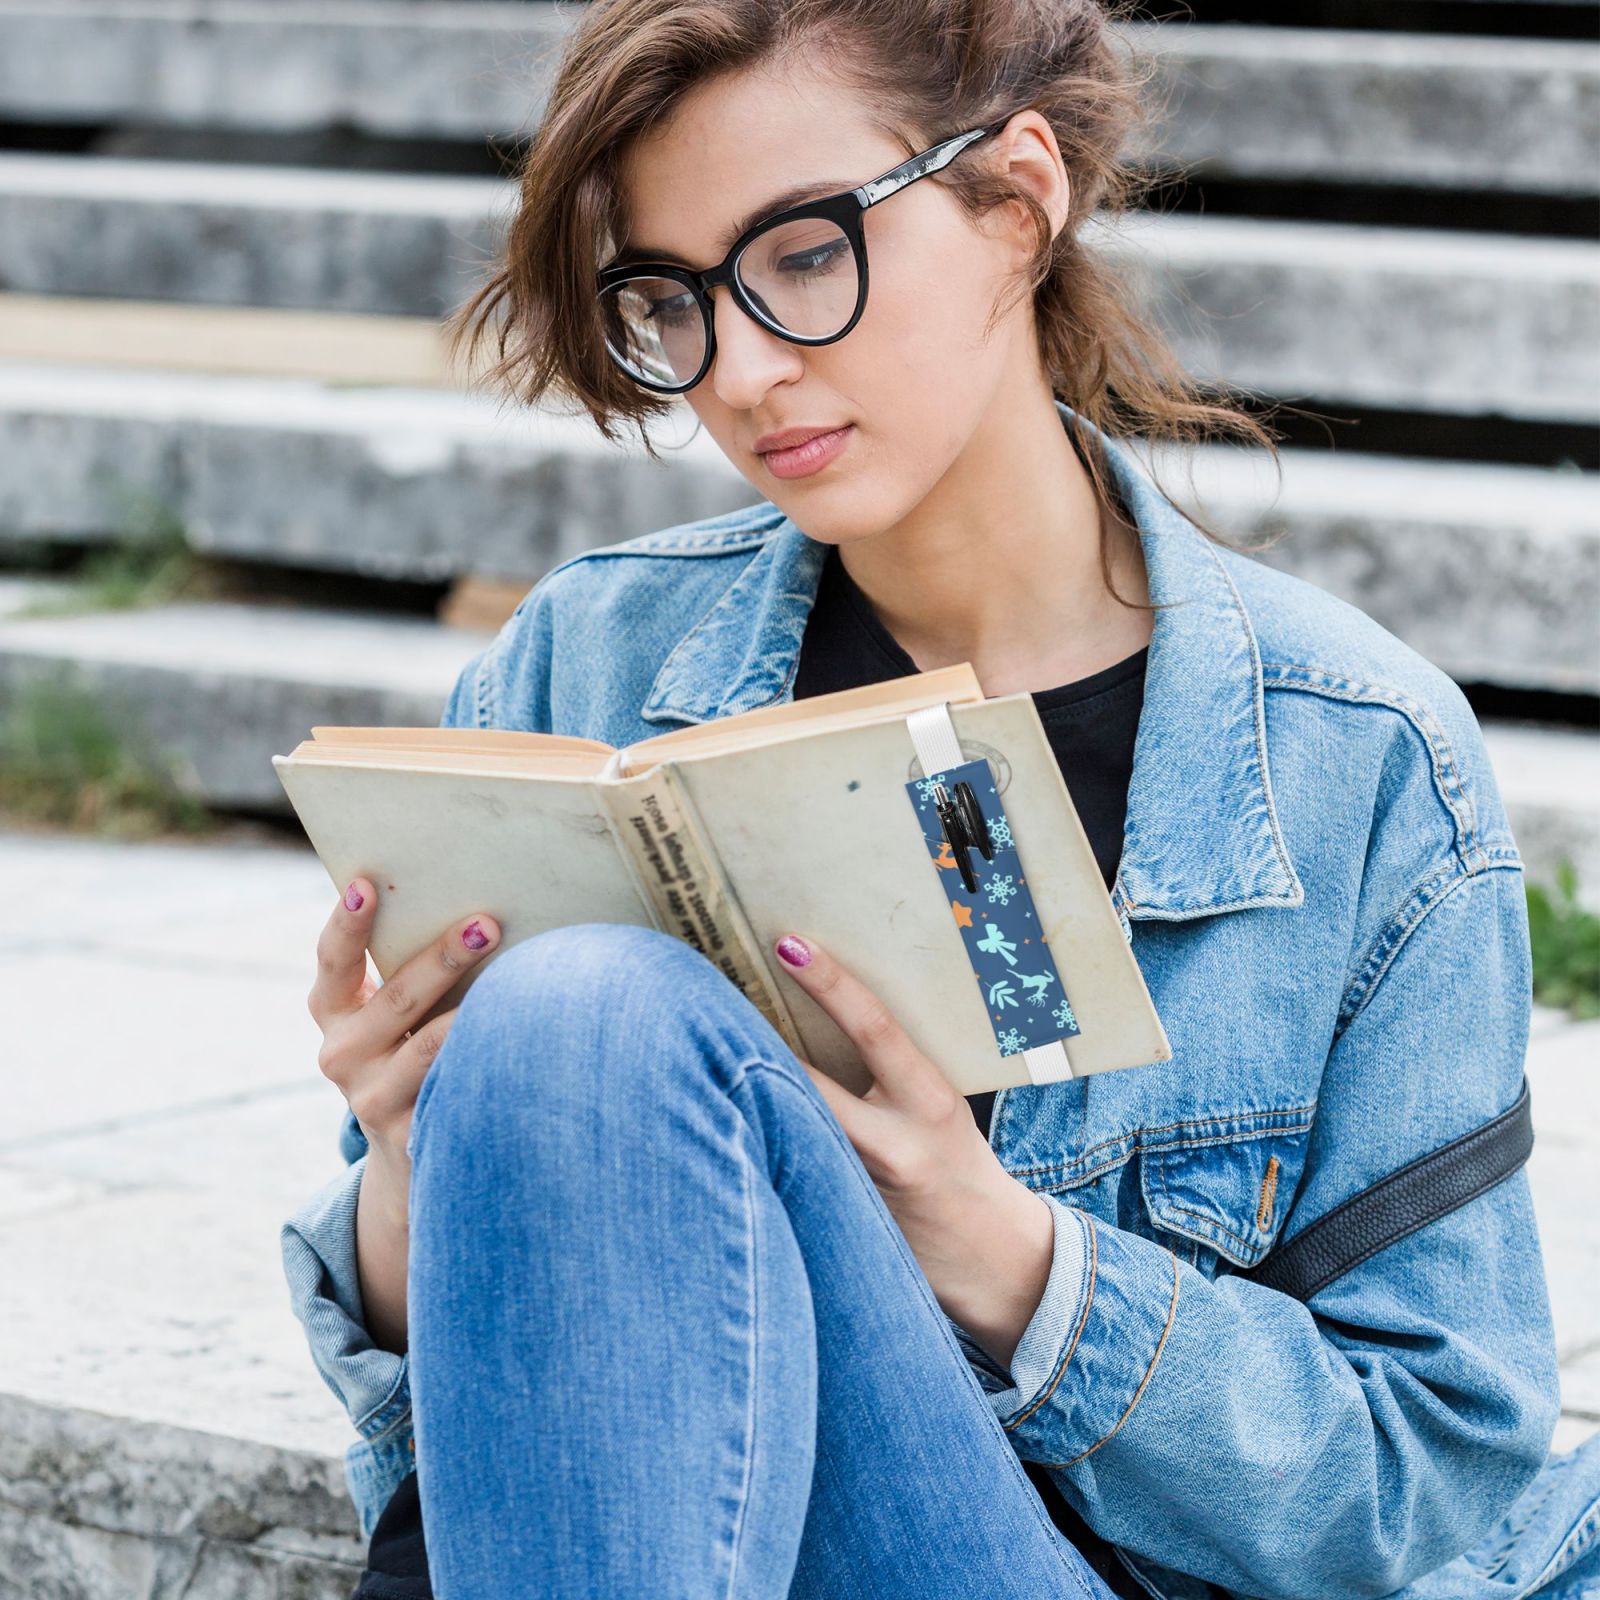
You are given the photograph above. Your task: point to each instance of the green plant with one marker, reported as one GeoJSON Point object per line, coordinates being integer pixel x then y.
{"type": "Point", "coordinates": [148, 563]}
{"type": "Point", "coordinates": [68, 760]}
{"type": "Point", "coordinates": [1566, 946]}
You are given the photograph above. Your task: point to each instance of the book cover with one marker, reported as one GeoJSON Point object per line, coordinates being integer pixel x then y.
{"type": "Point", "coordinates": [804, 818]}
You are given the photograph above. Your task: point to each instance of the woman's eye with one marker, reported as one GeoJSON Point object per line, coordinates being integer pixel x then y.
{"type": "Point", "coordinates": [673, 313]}
{"type": "Point", "coordinates": [803, 263]}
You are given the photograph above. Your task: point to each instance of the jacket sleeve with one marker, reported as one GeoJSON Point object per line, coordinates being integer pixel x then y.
{"type": "Point", "coordinates": [318, 1245]}
{"type": "Point", "coordinates": [1352, 1443]}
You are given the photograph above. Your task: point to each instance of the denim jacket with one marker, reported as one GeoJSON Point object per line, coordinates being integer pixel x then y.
{"type": "Point", "coordinates": [1323, 893]}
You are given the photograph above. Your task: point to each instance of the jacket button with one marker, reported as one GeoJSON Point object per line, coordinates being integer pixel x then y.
{"type": "Point", "coordinates": [411, 1445]}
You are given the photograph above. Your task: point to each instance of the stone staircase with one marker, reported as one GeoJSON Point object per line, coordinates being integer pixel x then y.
{"type": "Point", "coordinates": [228, 230]}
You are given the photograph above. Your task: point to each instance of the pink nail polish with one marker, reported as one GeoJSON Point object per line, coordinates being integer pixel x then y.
{"type": "Point", "coordinates": [354, 899]}
{"type": "Point", "coordinates": [793, 950]}
{"type": "Point", "coordinates": [473, 936]}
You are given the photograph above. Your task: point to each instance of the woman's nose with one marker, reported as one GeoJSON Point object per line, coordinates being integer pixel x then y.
{"type": "Point", "coordinates": [749, 358]}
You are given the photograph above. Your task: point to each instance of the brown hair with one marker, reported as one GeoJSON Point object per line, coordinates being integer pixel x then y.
{"type": "Point", "coordinates": [925, 69]}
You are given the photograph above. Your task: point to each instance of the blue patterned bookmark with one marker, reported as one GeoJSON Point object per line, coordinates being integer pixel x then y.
{"type": "Point", "coordinates": [1022, 990]}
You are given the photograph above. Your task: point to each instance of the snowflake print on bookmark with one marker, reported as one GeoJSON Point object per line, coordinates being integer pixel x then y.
{"type": "Point", "coordinates": [1010, 956]}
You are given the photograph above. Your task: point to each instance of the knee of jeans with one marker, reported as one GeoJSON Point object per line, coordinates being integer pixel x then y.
{"type": "Point", "coordinates": [575, 1004]}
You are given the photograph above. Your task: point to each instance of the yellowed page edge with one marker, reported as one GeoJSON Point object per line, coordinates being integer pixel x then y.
{"type": "Point", "coordinates": [512, 739]}
{"type": "Point", "coordinates": [571, 769]}
{"type": "Point", "coordinates": [794, 719]}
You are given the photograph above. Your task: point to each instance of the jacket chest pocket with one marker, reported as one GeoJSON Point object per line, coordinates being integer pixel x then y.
{"type": "Point", "coordinates": [1221, 1199]}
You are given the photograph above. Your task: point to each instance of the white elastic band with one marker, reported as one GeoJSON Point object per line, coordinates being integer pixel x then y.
{"type": "Point", "coordinates": [938, 748]}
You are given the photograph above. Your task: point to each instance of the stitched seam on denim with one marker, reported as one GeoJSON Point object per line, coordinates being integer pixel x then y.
{"type": "Point", "coordinates": [1137, 1576]}
{"type": "Point", "coordinates": [1576, 1543]}
{"type": "Point", "coordinates": [483, 694]}
{"type": "Point", "coordinates": [379, 1423]}
{"type": "Point", "coordinates": [1088, 1300]}
{"type": "Point", "coordinates": [1249, 1247]}
{"type": "Point", "coordinates": [727, 541]}
{"type": "Point", "coordinates": [1517, 1522]}
{"type": "Point", "coordinates": [1258, 716]}
{"type": "Point", "coordinates": [1398, 930]}
{"type": "Point", "coordinates": [1116, 1161]}
{"type": "Point", "coordinates": [1446, 770]}
{"type": "Point", "coordinates": [754, 1380]}
{"type": "Point", "coordinates": [1138, 1394]}
{"type": "Point", "coordinates": [1126, 1144]}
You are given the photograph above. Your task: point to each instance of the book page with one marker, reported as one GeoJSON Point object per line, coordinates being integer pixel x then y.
{"type": "Point", "coordinates": [500, 741]}
{"type": "Point", "coordinates": [676, 868]}
{"type": "Point", "coordinates": [818, 834]}
{"type": "Point", "coordinates": [794, 719]}
{"type": "Point", "coordinates": [441, 845]}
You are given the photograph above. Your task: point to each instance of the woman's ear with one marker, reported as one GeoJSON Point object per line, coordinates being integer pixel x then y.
{"type": "Point", "coordinates": [1026, 152]}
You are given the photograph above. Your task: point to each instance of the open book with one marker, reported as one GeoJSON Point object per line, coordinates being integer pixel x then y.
{"type": "Point", "coordinates": [802, 817]}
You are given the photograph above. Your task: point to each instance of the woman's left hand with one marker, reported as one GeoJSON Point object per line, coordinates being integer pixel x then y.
{"type": "Point", "coordinates": [984, 1240]}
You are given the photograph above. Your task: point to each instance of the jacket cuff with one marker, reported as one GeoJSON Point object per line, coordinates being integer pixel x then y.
{"type": "Point", "coordinates": [1040, 1349]}
{"type": "Point", "coordinates": [318, 1244]}
{"type": "Point", "coordinates": [1089, 1352]}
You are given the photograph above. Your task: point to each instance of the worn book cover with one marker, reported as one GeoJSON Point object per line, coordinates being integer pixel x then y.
{"type": "Point", "coordinates": [812, 816]}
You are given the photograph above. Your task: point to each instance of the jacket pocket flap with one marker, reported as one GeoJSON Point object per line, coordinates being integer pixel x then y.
{"type": "Point", "coordinates": [1230, 1194]}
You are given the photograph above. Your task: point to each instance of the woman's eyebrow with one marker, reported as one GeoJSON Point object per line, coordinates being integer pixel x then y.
{"type": "Point", "coordinates": [778, 202]}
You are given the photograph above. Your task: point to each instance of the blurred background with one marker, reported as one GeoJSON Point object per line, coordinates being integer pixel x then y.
{"type": "Point", "coordinates": [242, 493]}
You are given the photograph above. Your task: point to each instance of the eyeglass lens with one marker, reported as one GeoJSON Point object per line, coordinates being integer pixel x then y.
{"type": "Point", "coordinates": [801, 275]}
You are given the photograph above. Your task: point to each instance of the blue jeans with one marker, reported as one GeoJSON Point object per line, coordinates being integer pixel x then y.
{"type": "Point", "coordinates": [666, 1338]}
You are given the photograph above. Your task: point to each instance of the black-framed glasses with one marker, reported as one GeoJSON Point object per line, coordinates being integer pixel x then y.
{"type": "Point", "coordinates": [801, 273]}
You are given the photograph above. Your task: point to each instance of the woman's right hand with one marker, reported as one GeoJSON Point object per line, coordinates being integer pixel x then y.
{"type": "Point", "coordinates": [375, 1046]}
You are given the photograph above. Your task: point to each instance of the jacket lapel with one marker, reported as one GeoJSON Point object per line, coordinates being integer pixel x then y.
{"type": "Point", "coordinates": [1202, 834]}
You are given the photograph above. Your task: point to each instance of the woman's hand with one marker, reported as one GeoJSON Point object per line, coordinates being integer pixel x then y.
{"type": "Point", "coordinates": [984, 1240]}
{"type": "Point", "coordinates": [375, 1046]}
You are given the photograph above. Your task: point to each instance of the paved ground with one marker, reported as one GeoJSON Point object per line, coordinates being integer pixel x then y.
{"type": "Point", "coordinates": [163, 1112]}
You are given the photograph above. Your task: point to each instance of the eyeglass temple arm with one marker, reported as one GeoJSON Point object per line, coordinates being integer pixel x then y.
{"type": "Point", "coordinates": [869, 194]}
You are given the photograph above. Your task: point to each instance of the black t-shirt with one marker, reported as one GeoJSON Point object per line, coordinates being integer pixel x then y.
{"type": "Point", "coordinates": [1091, 723]}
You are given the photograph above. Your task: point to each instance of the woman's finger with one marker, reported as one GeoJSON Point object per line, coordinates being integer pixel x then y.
{"type": "Point", "coordinates": [410, 993]}
{"type": "Point", "coordinates": [389, 1100]}
{"type": "Point", "coordinates": [897, 1066]}
{"type": "Point", "coordinates": [342, 955]}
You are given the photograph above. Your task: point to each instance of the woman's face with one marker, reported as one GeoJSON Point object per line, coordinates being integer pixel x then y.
{"type": "Point", "coordinates": [914, 381]}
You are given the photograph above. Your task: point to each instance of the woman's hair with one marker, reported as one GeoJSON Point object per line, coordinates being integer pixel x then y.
{"type": "Point", "coordinates": [925, 69]}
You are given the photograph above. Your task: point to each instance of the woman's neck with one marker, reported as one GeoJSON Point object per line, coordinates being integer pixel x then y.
{"type": "Point", "coordinates": [999, 564]}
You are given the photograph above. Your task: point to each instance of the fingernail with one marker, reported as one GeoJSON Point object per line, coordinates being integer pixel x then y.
{"type": "Point", "coordinates": [473, 936]}
{"type": "Point", "coordinates": [354, 899]}
{"type": "Point", "coordinates": [793, 950]}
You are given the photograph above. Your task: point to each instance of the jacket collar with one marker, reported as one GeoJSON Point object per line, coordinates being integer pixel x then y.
{"type": "Point", "coordinates": [1202, 833]}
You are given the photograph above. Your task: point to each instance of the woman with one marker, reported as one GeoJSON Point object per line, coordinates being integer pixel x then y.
{"type": "Point", "coordinates": [659, 1309]}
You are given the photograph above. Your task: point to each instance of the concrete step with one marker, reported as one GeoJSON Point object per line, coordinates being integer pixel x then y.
{"type": "Point", "coordinates": [449, 69]}
{"type": "Point", "coordinates": [163, 1431]}
{"type": "Point", "coordinates": [1465, 323]}
{"type": "Point", "coordinates": [223, 686]}
{"type": "Point", "coordinates": [220, 686]}
{"type": "Point", "coordinates": [392, 482]}
{"type": "Point", "coordinates": [409, 245]}
{"type": "Point", "coordinates": [1550, 781]}
{"type": "Point", "coordinates": [1322, 105]}
{"type": "Point", "coordinates": [1492, 571]}
{"type": "Point", "coordinates": [1469, 324]}
{"type": "Point", "coordinates": [1247, 102]}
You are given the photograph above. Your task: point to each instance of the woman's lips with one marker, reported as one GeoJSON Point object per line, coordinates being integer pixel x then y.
{"type": "Point", "coordinates": [809, 457]}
